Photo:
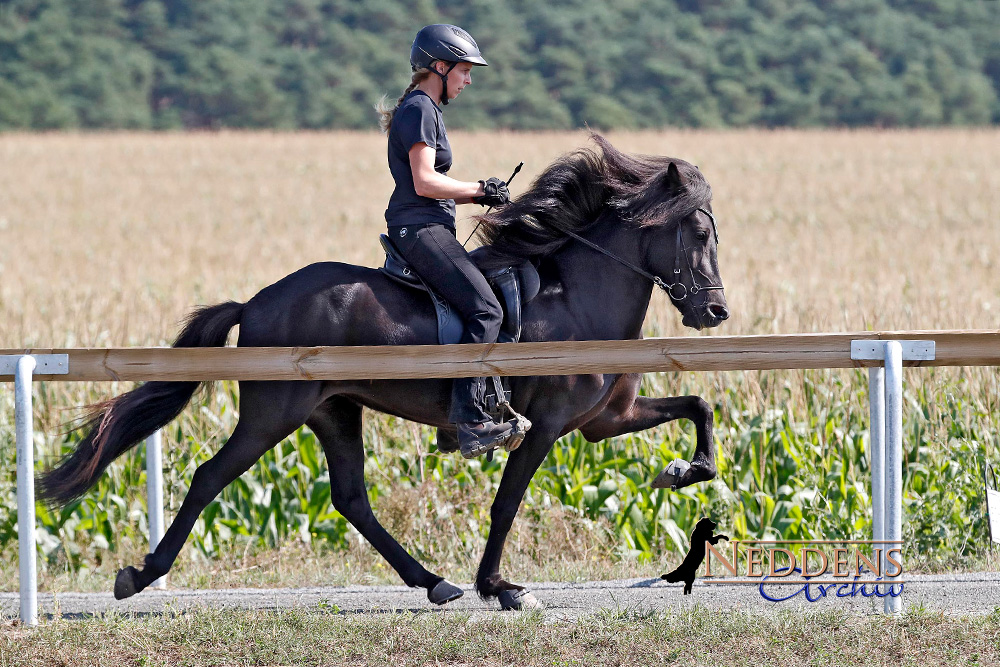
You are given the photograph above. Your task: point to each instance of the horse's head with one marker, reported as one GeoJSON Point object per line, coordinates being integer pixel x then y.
{"type": "Point", "coordinates": [667, 200]}
{"type": "Point", "coordinates": [681, 241]}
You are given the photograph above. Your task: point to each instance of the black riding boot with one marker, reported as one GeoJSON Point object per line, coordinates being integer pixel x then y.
{"type": "Point", "coordinates": [441, 262]}
{"type": "Point", "coordinates": [477, 439]}
{"type": "Point", "coordinates": [477, 432]}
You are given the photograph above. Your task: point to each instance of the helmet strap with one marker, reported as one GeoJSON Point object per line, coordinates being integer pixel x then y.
{"type": "Point", "coordinates": [444, 82]}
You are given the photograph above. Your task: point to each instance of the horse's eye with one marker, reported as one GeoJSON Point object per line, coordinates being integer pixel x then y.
{"type": "Point", "coordinates": [702, 236]}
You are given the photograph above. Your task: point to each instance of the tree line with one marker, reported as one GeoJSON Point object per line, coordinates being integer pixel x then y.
{"type": "Point", "coordinates": [170, 64]}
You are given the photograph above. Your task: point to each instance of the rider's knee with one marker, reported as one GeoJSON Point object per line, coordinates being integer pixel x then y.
{"type": "Point", "coordinates": [488, 319]}
{"type": "Point", "coordinates": [492, 306]}
{"type": "Point", "coordinates": [495, 312]}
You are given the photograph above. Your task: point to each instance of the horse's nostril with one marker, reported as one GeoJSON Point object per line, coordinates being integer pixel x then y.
{"type": "Point", "coordinates": [718, 312]}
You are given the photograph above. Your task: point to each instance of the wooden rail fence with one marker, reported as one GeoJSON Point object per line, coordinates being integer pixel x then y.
{"type": "Point", "coordinates": [701, 353]}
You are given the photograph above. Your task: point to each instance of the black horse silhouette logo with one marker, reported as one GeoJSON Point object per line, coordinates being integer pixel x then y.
{"type": "Point", "coordinates": [688, 570]}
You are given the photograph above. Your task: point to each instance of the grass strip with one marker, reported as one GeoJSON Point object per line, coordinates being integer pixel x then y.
{"type": "Point", "coordinates": [626, 636]}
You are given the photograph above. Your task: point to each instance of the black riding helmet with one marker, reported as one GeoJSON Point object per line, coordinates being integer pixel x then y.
{"type": "Point", "coordinates": [447, 43]}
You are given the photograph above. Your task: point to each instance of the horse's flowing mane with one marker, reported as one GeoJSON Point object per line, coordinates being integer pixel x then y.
{"type": "Point", "coordinates": [578, 187]}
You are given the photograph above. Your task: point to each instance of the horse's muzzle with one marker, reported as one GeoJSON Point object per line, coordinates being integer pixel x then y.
{"type": "Point", "coordinates": [705, 316]}
{"type": "Point", "coordinates": [717, 312]}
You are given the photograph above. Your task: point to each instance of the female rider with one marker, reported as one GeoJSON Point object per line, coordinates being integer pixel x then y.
{"type": "Point", "coordinates": [421, 211]}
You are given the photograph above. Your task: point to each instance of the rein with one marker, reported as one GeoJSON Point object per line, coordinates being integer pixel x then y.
{"type": "Point", "coordinates": [669, 288]}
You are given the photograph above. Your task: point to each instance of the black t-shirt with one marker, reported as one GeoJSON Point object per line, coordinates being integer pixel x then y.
{"type": "Point", "coordinates": [417, 120]}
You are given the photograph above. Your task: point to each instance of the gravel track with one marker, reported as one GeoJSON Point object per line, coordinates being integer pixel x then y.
{"type": "Point", "coordinates": [970, 593]}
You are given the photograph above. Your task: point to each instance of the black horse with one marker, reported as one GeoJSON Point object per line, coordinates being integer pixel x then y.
{"type": "Point", "coordinates": [651, 213]}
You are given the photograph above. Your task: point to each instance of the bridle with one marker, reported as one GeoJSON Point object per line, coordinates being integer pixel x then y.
{"type": "Point", "coordinates": [677, 291]}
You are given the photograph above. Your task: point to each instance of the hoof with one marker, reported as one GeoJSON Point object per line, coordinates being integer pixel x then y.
{"type": "Point", "coordinates": [125, 583]}
{"type": "Point", "coordinates": [521, 600]}
{"type": "Point", "coordinates": [671, 475]}
{"type": "Point", "coordinates": [444, 592]}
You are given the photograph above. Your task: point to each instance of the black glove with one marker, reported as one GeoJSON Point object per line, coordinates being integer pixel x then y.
{"type": "Point", "coordinates": [495, 193]}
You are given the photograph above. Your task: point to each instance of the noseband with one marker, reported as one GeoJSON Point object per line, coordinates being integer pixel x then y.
{"type": "Point", "coordinates": [677, 291]}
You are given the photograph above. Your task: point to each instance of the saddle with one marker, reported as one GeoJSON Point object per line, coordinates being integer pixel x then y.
{"type": "Point", "coordinates": [514, 286]}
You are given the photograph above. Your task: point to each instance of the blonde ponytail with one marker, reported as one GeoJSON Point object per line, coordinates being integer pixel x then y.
{"type": "Point", "coordinates": [385, 112]}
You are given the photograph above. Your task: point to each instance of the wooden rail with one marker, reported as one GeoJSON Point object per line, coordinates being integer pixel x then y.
{"type": "Point", "coordinates": [697, 353]}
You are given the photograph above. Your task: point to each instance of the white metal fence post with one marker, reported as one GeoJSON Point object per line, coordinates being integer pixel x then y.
{"type": "Point", "coordinates": [154, 495]}
{"type": "Point", "coordinates": [893, 462]}
{"type": "Point", "coordinates": [885, 402]}
{"type": "Point", "coordinates": [876, 429]}
{"type": "Point", "coordinates": [24, 367]}
{"type": "Point", "coordinates": [25, 436]}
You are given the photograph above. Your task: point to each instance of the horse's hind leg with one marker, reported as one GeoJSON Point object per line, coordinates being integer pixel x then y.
{"type": "Point", "coordinates": [269, 411]}
{"type": "Point", "coordinates": [337, 424]}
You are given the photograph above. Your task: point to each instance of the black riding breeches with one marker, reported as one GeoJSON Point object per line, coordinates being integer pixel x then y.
{"type": "Point", "coordinates": [440, 260]}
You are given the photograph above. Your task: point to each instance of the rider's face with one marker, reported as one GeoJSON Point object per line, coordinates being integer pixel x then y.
{"type": "Point", "coordinates": [458, 78]}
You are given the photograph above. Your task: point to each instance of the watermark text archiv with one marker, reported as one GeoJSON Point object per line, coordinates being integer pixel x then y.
{"type": "Point", "coordinates": [815, 569]}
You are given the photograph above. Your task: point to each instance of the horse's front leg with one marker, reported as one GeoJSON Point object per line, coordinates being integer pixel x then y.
{"type": "Point", "coordinates": [521, 467]}
{"type": "Point", "coordinates": [627, 412]}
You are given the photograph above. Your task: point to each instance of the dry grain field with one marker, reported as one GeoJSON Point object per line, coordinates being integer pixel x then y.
{"type": "Point", "coordinates": [109, 239]}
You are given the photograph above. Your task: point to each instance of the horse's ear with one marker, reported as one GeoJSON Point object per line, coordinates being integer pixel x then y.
{"type": "Point", "coordinates": [672, 181]}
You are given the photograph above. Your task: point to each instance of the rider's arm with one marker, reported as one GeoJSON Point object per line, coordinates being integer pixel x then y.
{"type": "Point", "coordinates": [429, 183]}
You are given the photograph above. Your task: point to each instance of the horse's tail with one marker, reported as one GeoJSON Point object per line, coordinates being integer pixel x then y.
{"type": "Point", "coordinates": [118, 424]}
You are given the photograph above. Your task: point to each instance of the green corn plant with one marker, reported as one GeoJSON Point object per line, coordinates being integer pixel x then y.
{"type": "Point", "coordinates": [793, 464]}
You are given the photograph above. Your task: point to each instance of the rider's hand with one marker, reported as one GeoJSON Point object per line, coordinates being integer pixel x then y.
{"type": "Point", "coordinates": [494, 193]}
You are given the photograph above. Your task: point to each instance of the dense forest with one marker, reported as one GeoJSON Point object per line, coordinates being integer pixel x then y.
{"type": "Point", "coordinates": [165, 64]}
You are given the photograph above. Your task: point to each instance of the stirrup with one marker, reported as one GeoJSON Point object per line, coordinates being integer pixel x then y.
{"type": "Point", "coordinates": [521, 426]}
{"type": "Point", "coordinates": [520, 423]}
